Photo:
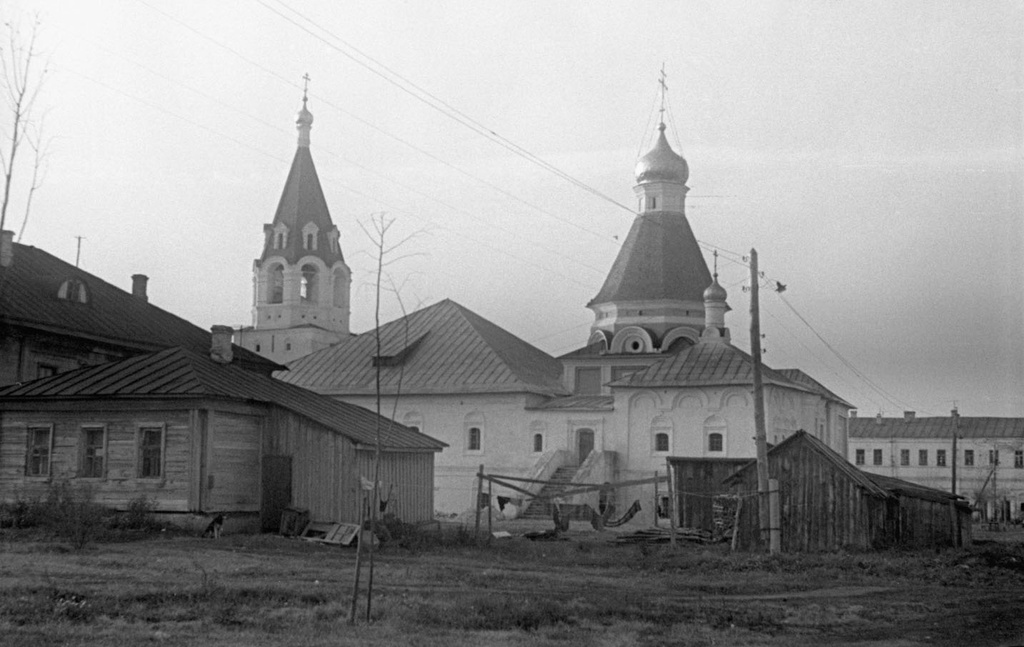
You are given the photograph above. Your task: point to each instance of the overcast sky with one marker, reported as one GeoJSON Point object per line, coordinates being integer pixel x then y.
{"type": "Point", "coordinates": [870, 151]}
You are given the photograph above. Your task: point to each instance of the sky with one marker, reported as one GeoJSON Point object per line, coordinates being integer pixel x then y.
{"type": "Point", "coordinates": [870, 151]}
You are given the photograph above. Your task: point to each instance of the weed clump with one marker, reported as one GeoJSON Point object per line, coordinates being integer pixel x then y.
{"type": "Point", "coordinates": [495, 613]}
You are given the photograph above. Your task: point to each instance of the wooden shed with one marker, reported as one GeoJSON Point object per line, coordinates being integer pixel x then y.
{"type": "Point", "coordinates": [825, 503]}
{"type": "Point", "coordinates": [698, 483]}
{"type": "Point", "coordinates": [196, 434]}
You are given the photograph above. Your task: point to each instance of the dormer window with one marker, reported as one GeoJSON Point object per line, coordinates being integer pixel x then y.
{"type": "Point", "coordinates": [309, 237]}
{"type": "Point", "coordinates": [73, 290]}
{"type": "Point", "coordinates": [280, 236]}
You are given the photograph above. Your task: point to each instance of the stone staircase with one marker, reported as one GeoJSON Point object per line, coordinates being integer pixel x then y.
{"type": "Point", "coordinates": [540, 508]}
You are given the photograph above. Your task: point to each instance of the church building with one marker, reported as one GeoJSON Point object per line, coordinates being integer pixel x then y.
{"type": "Point", "coordinates": [657, 376]}
{"type": "Point", "coordinates": [301, 282]}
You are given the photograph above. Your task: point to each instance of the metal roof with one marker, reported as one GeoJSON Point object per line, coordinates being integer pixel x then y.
{"type": "Point", "coordinates": [578, 403]}
{"type": "Point", "coordinates": [660, 259]}
{"type": "Point", "coordinates": [28, 298]}
{"type": "Point", "coordinates": [936, 428]}
{"type": "Point", "coordinates": [303, 202]}
{"type": "Point", "coordinates": [708, 364]}
{"type": "Point", "coordinates": [444, 348]}
{"type": "Point", "coordinates": [798, 376]}
{"type": "Point", "coordinates": [179, 373]}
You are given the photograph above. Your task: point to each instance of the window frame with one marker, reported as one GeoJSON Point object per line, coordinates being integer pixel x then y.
{"type": "Point", "coordinates": [139, 449]}
{"type": "Point", "coordinates": [904, 458]}
{"type": "Point", "coordinates": [940, 457]}
{"type": "Point", "coordinates": [479, 439]}
{"type": "Point", "coordinates": [30, 446]}
{"type": "Point", "coordinates": [859, 457]}
{"type": "Point", "coordinates": [721, 441]}
{"type": "Point", "coordinates": [84, 457]}
{"type": "Point", "coordinates": [876, 457]}
{"type": "Point", "coordinates": [538, 442]}
{"type": "Point", "coordinates": [922, 458]}
{"type": "Point", "coordinates": [968, 458]}
{"type": "Point", "coordinates": [662, 442]}
{"type": "Point", "coordinates": [1018, 458]}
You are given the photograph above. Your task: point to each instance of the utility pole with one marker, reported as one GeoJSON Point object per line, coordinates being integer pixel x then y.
{"type": "Point", "coordinates": [760, 437]}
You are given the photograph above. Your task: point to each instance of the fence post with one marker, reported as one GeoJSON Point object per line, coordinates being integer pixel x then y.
{"type": "Point", "coordinates": [736, 524]}
{"type": "Point", "coordinates": [671, 503]}
{"type": "Point", "coordinates": [490, 510]}
{"type": "Point", "coordinates": [476, 503]}
{"type": "Point", "coordinates": [774, 521]}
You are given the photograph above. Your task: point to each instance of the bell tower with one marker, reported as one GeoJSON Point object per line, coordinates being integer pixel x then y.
{"type": "Point", "coordinates": [301, 283]}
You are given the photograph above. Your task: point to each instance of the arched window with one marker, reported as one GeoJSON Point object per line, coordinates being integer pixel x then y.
{"type": "Point", "coordinates": [276, 276]}
{"type": "Point", "coordinates": [538, 442]}
{"type": "Point", "coordinates": [538, 428]}
{"type": "Point", "coordinates": [309, 287]}
{"type": "Point", "coordinates": [715, 442]}
{"type": "Point", "coordinates": [714, 431]}
{"type": "Point", "coordinates": [474, 432]}
{"type": "Point", "coordinates": [340, 288]}
{"type": "Point", "coordinates": [661, 434]}
{"type": "Point", "coordinates": [73, 290]}
{"type": "Point", "coordinates": [309, 241]}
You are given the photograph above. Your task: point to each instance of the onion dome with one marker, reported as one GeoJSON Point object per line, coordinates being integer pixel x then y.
{"type": "Point", "coordinates": [662, 164]}
{"type": "Point", "coordinates": [305, 117]}
{"type": "Point", "coordinates": [715, 292]}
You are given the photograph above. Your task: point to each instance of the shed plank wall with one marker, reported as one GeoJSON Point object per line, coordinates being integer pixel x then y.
{"type": "Point", "coordinates": [324, 478]}
{"type": "Point", "coordinates": [409, 476]}
{"type": "Point", "coordinates": [234, 463]}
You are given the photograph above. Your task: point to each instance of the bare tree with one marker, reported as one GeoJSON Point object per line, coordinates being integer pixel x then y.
{"type": "Point", "coordinates": [21, 79]}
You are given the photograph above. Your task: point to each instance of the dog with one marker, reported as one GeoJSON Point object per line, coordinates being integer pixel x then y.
{"type": "Point", "coordinates": [214, 528]}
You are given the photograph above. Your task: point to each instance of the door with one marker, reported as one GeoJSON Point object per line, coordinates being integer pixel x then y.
{"type": "Point", "coordinates": [277, 491]}
{"type": "Point", "coordinates": [584, 444]}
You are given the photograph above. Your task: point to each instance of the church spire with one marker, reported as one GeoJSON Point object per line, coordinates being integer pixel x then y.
{"type": "Point", "coordinates": [304, 122]}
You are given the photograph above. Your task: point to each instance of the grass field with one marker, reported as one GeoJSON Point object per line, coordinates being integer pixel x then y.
{"type": "Point", "coordinates": [266, 590]}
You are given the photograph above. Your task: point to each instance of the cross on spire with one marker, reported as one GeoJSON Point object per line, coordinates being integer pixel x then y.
{"type": "Point", "coordinates": [716, 264]}
{"type": "Point", "coordinates": [664, 89]}
{"type": "Point", "coordinates": [305, 87]}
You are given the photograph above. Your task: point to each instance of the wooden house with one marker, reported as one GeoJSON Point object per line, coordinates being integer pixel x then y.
{"type": "Point", "coordinates": [197, 433]}
{"type": "Point", "coordinates": [825, 503]}
{"type": "Point", "coordinates": [56, 317]}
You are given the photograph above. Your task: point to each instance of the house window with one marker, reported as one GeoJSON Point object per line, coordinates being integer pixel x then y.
{"type": "Point", "coordinates": [151, 451]}
{"type": "Point", "coordinates": [538, 442]}
{"type": "Point", "coordinates": [588, 381]}
{"type": "Point", "coordinates": [940, 457]}
{"type": "Point", "coordinates": [714, 442]}
{"type": "Point", "coordinates": [968, 457]}
{"type": "Point", "coordinates": [1018, 458]}
{"type": "Point", "coordinates": [904, 457]}
{"type": "Point", "coordinates": [661, 442]}
{"type": "Point", "coordinates": [473, 439]}
{"type": "Point", "coordinates": [993, 457]}
{"type": "Point", "coordinates": [309, 241]}
{"type": "Point", "coordinates": [93, 446]}
{"type": "Point", "coordinates": [859, 457]}
{"type": "Point", "coordinates": [922, 457]}
{"type": "Point", "coordinates": [39, 444]}
{"type": "Point", "coordinates": [876, 457]}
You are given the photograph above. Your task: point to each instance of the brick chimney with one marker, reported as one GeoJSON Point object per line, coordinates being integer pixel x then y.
{"type": "Point", "coordinates": [908, 416]}
{"type": "Point", "coordinates": [6, 248]}
{"type": "Point", "coordinates": [139, 283]}
{"type": "Point", "coordinates": [220, 344]}
{"type": "Point", "coordinates": [878, 419]}
{"type": "Point", "coordinates": [853, 413]}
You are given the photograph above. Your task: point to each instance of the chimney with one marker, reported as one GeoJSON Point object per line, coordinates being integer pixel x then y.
{"type": "Point", "coordinates": [139, 282]}
{"type": "Point", "coordinates": [878, 418]}
{"type": "Point", "coordinates": [6, 248]}
{"type": "Point", "coordinates": [220, 344]}
{"type": "Point", "coordinates": [908, 416]}
{"type": "Point", "coordinates": [853, 414]}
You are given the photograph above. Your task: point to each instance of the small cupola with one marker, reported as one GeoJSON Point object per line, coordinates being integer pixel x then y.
{"type": "Point", "coordinates": [715, 308]}
{"type": "Point", "coordinates": [304, 120]}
